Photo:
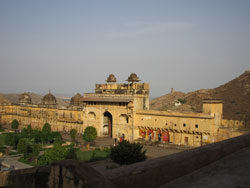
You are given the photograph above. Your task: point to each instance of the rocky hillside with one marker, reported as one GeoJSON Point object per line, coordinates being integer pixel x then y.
{"type": "Point", "coordinates": [235, 95]}
{"type": "Point", "coordinates": [3, 99]}
{"type": "Point", "coordinates": [36, 99]}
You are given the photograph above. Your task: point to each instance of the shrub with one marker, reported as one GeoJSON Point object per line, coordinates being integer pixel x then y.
{"type": "Point", "coordinates": [71, 153]}
{"type": "Point", "coordinates": [128, 153]}
{"type": "Point", "coordinates": [12, 139]}
{"type": "Point", "coordinates": [182, 101]}
{"type": "Point", "coordinates": [46, 128]}
{"type": "Point", "coordinates": [14, 124]}
{"type": "Point", "coordinates": [55, 154]}
{"type": "Point", "coordinates": [73, 134]}
{"type": "Point", "coordinates": [89, 134]}
{"type": "Point", "coordinates": [58, 141]}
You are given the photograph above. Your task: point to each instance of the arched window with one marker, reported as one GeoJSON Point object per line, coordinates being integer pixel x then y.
{"type": "Point", "coordinates": [124, 118]}
{"type": "Point", "coordinates": [91, 115]}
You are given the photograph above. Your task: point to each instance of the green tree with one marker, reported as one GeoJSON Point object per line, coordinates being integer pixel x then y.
{"type": "Point", "coordinates": [36, 148]}
{"type": "Point", "coordinates": [22, 146]}
{"type": "Point", "coordinates": [14, 124]}
{"type": "Point", "coordinates": [55, 154]}
{"type": "Point", "coordinates": [89, 135]}
{"type": "Point", "coordinates": [71, 152]}
{"type": "Point", "coordinates": [128, 153]}
{"type": "Point", "coordinates": [1, 129]}
{"type": "Point", "coordinates": [25, 146]}
{"type": "Point", "coordinates": [73, 134]}
{"type": "Point", "coordinates": [58, 141]}
{"type": "Point", "coordinates": [12, 139]}
{"type": "Point", "coordinates": [46, 128]}
{"type": "Point", "coordinates": [29, 129]}
{"type": "Point", "coordinates": [182, 101]}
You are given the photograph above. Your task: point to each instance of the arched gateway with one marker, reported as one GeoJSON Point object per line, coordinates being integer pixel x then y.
{"type": "Point", "coordinates": [107, 124]}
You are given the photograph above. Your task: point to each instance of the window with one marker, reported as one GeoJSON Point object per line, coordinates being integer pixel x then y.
{"type": "Point", "coordinates": [196, 126]}
{"type": "Point", "coordinates": [175, 124]}
{"type": "Point", "coordinates": [184, 124]}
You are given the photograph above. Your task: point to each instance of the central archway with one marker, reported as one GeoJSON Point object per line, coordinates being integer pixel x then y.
{"type": "Point", "coordinates": [107, 124]}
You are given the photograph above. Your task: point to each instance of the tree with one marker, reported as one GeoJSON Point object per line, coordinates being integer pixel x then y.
{"type": "Point", "coordinates": [58, 141]}
{"type": "Point", "coordinates": [22, 146]}
{"type": "Point", "coordinates": [57, 153]}
{"type": "Point", "coordinates": [89, 135]}
{"type": "Point", "coordinates": [71, 152]}
{"type": "Point", "coordinates": [29, 129]}
{"type": "Point", "coordinates": [28, 148]}
{"type": "Point", "coordinates": [182, 101]}
{"type": "Point", "coordinates": [12, 139]}
{"type": "Point", "coordinates": [73, 134]}
{"type": "Point", "coordinates": [128, 153]}
{"type": "Point", "coordinates": [46, 128]}
{"type": "Point", "coordinates": [14, 124]}
{"type": "Point", "coordinates": [35, 151]}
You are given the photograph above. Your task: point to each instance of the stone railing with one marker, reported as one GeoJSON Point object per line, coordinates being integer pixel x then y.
{"type": "Point", "coordinates": [235, 124]}
{"type": "Point", "coordinates": [159, 171]}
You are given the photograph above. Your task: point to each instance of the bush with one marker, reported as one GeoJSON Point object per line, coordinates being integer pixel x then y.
{"type": "Point", "coordinates": [46, 128]}
{"type": "Point", "coordinates": [73, 134]}
{"type": "Point", "coordinates": [12, 139]}
{"type": "Point", "coordinates": [182, 101]}
{"type": "Point", "coordinates": [14, 124]}
{"type": "Point", "coordinates": [57, 153]}
{"type": "Point", "coordinates": [1, 129]}
{"type": "Point", "coordinates": [89, 134]}
{"type": "Point", "coordinates": [58, 141]}
{"type": "Point", "coordinates": [71, 153]}
{"type": "Point", "coordinates": [127, 153]}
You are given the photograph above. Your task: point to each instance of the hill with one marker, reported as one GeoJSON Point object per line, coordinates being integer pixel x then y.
{"type": "Point", "coordinates": [36, 98]}
{"type": "Point", "coordinates": [3, 99]}
{"type": "Point", "coordinates": [235, 95]}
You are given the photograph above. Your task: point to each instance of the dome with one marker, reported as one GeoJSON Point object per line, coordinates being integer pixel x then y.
{"type": "Point", "coordinates": [49, 99]}
{"type": "Point", "coordinates": [24, 99]}
{"type": "Point", "coordinates": [76, 100]}
{"type": "Point", "coordinates": [111, 78]}
{"type": "Point", "coordinates": [133, 78]}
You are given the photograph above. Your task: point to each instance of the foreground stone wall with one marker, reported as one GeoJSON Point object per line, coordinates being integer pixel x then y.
{"type": "Point", "coordinates": [68, 174]}
{"type": "Point", "coordinates": [151, 173]}
{"type": "Point", "coordinates": [159, 171]}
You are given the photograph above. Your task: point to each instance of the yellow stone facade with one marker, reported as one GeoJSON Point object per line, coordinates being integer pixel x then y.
{"type": "Point", "coordinates": [117, 110]}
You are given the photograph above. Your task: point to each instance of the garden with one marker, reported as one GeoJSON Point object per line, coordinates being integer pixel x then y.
{"type": "Point", "coordinates": [42, 147]}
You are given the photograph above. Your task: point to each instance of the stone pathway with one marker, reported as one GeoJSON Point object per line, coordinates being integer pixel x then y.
{"type": "Point", "coordinates": [9, 161]}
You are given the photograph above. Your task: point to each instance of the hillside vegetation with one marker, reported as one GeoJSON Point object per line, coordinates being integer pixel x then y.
{"type": "Point", "coordinates": [235, 95]}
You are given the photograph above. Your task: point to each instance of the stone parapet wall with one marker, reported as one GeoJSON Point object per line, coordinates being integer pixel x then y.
{"type": "Point", "coordinates": [235, 124]}
{"type": "Point", "coordinates": [69, 173]}
{"type": "Point", "coordinates": [159, 171]}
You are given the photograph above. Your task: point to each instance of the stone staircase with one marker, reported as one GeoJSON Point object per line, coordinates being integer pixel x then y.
{"type": "Point", "coordinates": [104, 141]}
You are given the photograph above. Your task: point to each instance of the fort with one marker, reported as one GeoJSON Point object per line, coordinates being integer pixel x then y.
{"type": "Point", "coordinates": [122, 109]}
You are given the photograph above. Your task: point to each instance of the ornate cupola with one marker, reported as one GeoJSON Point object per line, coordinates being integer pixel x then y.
{"type": "Point", "coordinates": [49, 99]}
{"type": "Point", "coordinates": [133, 78]}
{"type": "Point", "coordinates": [111, 78]}
{"type": "Point", "coordinates": [24, 99]}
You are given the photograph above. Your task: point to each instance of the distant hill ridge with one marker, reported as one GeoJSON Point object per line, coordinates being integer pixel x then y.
{"type": "Point", "coordinates": [235, 95]}
{"type": "Point", "coordinates": [36, 98]}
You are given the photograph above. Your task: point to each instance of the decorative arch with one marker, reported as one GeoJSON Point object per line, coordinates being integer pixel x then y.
{"type": "Point", "coordinates": [123, 118]}
{"type": "Point", "coordinates": [107, 124]}
{"type": "Point", "coordinates": [92, 116]}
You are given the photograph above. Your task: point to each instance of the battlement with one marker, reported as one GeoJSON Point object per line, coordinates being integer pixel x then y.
{"type": "Point", "coordinates": [124, 88]}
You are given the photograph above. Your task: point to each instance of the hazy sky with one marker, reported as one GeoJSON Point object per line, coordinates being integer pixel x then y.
{"type": "Point", "coordinates": [68, 46]}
